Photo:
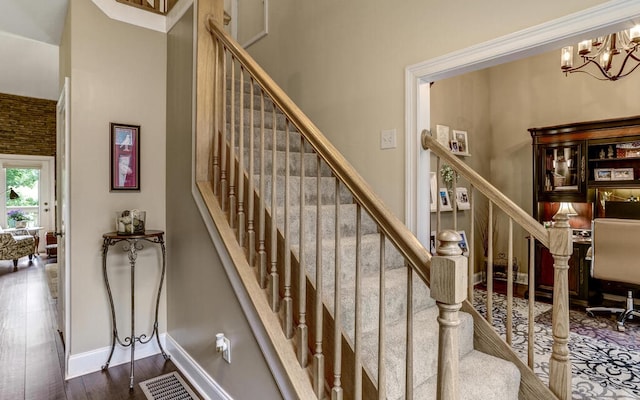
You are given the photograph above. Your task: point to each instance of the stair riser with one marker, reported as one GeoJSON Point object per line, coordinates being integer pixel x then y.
{"type": "Point", "coordinates": [310, 164]}
{"type": "Point", "coordinates": [280, 121]}
{"type": "Point", "coordinates": [327, 191]}
{"type": "Point", "coordinates": [294, 139]}
{"type": "Point", "coordinates": [347, 222]}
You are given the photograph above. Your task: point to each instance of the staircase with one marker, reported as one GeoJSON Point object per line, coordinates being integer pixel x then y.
{"type": "Point", "coordinates": [481, 376]}
{"type": "Point", "coordinates": [345, 283]}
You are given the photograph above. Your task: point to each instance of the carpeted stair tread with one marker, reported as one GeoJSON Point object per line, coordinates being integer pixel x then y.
{"type": "Point", "coordinates": [425, 349]}
{"type": "Point", "coordinates": [481, 377]}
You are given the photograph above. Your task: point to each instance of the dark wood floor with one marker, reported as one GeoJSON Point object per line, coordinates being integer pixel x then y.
{"type": "Point", "coordinates": [31, 351]}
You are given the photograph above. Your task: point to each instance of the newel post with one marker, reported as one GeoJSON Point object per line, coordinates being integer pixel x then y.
{"type": "Point", "coordinates": [449, 289]}
{"type": "Point", "coordinates": [561, 247]}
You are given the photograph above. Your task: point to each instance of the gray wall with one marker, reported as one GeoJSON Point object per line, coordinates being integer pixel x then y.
{"type": "Point", "coordinates": [200, 299]}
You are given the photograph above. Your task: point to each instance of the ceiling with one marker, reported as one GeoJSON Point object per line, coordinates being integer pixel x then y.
{"type": "Point", "coordinates": [40, 20]}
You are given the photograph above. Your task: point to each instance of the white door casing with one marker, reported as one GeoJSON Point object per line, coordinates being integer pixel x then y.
{"type": "Point", "coordinates": [62, 220]}
{"type": "Point", "coordinates": [604, 18]}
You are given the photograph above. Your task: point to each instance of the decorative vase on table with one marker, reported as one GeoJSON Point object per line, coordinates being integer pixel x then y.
{"type": "Point", "coordinates": [130, 222]}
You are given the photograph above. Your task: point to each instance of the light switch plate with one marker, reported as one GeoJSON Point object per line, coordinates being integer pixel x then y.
{"type": "Point", "coordinates": [388, 139]}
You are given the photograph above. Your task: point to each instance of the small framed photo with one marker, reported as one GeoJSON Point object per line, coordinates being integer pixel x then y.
{"type": "Point", "coordinates": [445, 201]}
{"type": "Point", "coordinates": [622, 174]}
{"type": "Point", "coordinates": [464, 244]}
{"type": "Point", "coordinates": [454, 146]}
{"type": "Point", "coordinates": [125, 157]}
{"type": "Point", "coordinates": [602, 174]}
{"type": "Point", "coordinates": [463, 141]}
{"type": "Point", "coordinates": [462, 199]}
{"type": "Point", "coordinates": [433, 191]}
{"type": "Point", "coordinates": [442, 135]}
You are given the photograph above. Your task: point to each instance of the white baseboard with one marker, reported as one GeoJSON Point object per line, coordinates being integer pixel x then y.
{"type": "Point", "coordinates": [197, 377]}
{"type": "Point", "coordinates": [92, 361]}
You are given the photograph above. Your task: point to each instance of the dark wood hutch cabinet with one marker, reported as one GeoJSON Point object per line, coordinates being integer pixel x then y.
{"type": "Point", "coordinates": [583, 164]}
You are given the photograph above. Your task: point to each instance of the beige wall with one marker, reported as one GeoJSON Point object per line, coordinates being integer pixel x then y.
{"type": "Point", "coordinates": [344, 63]}
{"type": "Point", "coordinates": [200, 299]}
{"type": "Point", "coordinates": [117, 75]}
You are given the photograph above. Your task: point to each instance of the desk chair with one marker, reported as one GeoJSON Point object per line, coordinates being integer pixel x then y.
{"type": "Point", "coordinates": [615, 256]}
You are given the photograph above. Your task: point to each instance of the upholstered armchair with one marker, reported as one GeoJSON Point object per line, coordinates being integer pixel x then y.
{"type": "Point", "coordinates": [14, 246]}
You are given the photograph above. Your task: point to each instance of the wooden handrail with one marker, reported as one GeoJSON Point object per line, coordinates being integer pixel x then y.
{"type": "Point", "coordinates": [404, 240]}
{"type": "Point", "coordinates": [507, 205]}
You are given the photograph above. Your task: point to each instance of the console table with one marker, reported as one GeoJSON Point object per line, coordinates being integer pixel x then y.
{"type": "Point", "coordinates": [132, 244]}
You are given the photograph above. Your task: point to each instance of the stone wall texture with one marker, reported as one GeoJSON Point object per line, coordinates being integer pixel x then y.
{"type": "Point", "coordinates": [27, 126]}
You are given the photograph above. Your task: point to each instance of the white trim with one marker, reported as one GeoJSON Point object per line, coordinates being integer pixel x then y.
{"type": "Point", "coordinates": [145, 19]}
{"type": "Point", "coordinates": [265, 31]}
{"type": "Point", "coordinates": [204, 384]}
{"type": "Point", "coordinates": [612, 15]}
{"type": "Point", "coordinates": [92, 361]}
{"type": "Point", "coordinates": [266, 346]}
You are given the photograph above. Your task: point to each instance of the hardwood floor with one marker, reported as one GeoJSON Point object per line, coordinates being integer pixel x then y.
{"type": "Point", "coordinates": [31, 351]}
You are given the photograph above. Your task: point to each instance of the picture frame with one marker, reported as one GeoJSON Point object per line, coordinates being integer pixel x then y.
{"type": "Point", "coordinates": [622, 174]}
{"type": "Point", "coordinates": [124, 157]}
{"type": "Point", "coordinates": [442, 135]}
{"type": "Point", "coordinates": [464, 243]}
{"type": "Point", "coordinates": [462, 198]}
{"type": "Point", "coordinates": [462, 140]}
{"type": "Point", "coordinates": [433, 190]}
{"type": "Point", "coordinates": [602, 174]}
{"type": "Point", "coordinates": [445, 201]}
{"type": "Point", "coordinates": [454, 146]}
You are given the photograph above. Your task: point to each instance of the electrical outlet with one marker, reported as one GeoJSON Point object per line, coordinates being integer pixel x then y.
{"type": "Point", "coordinates": [388, 139]}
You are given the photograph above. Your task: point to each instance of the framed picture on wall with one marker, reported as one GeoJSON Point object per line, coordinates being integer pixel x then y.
{"type": "Point", "coordinates": [464, 244]}
{"type": "Point", "coordinates": [125, 157]}
{"type": "Point", "coordinates": [463, 142]}
{"type": "Point", "coordinates": [445, 202]}
{"type": "Point", "coordinates": [462, 199]}
{"type": "Point", "coordinates": [442, 135]}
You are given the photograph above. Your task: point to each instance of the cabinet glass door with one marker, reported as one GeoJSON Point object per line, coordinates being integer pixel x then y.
{"type": "Point", "coordinates": [562, 169]}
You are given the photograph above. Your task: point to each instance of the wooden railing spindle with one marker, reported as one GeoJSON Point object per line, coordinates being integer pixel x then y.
{"type": "Point", "coordinates": [287, 301]}
{"type": "Point", "coordinates": [409, 344]}
{"type": "Point", "coordinates": [251, 232]}
{"type": "Point", "coordinates": [532, 301]}
{"type": "Point", "coordinates": [318, 357]}
{"type": "Point", "coordinates": [240, 199]}
{"type": "Point", "coordinates": [274, 287]}
{"type": "Point", "coordinates": [223, 137]}
{"type": "Point", "coordinates": [510, 284]}
{"type": "Point", "coordinates": [219, 122]}
{"type": "Point", "coordinates": [336, 390]}
{"type": "Point", "coordinates": [262, 250]}
{"type": "Point", "coordinates": [490, 264]}
{"type": "Point", "coordinates": [303, 332]}
{"type": "Point", "coordinates": [232, 146]}
{"type": "Point", "coordinates": [382, 373]}
{"type": "Point", "coordinates": [357, 373]}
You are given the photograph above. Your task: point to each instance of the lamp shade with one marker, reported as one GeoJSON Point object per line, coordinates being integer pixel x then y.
{"type": "Point", "coordinates": [567, 209]}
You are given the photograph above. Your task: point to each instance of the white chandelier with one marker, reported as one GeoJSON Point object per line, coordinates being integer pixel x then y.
{"type": "Point", "coordinates": [601, 52]}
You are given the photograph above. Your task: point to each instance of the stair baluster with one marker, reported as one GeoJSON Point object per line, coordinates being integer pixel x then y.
{"type": "Point", "coordinates": [336, 390]}
{"type": "Point", "coordinates": [318, 357]}
{"type": "Point", "coordinates": [287, 321]}
{"type": "Point", "coordinates": [223, 137]}
{"type": "Point", "coordinates": [382, 378]}
{"type": "Point", "coordinates": [303, 332]}
{"type": "Point", "coordinates": [262, 249]}
{"type": "Point", "coordinates": [274, 289]}
{"type": "Point", "coordinates": [251, 233]}
{"type": "Point", "coordinates": [217, 129]}
{"type": "Point", "coordinates": [357, 381]}
{"type": "Point", "coordinates": [232, 145]}
{"type": "Point", "coordinates": [240, 199]}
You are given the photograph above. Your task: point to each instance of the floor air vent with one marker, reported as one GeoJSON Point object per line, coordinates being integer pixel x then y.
{"type": "Point", "coordinates": [167, 387]}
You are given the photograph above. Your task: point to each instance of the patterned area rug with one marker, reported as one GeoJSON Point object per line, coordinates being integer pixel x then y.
{"type": "Point", "coordinates": [605, 362]}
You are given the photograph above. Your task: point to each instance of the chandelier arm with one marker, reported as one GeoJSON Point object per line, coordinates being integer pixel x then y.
{"type": "Point", "coordinates": [590, 74]}
{"type": "Point", "coordinates": [588, 61]}
{"type": "Point", "coordinates": [620, 75]}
